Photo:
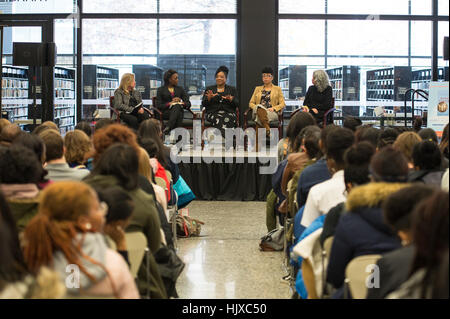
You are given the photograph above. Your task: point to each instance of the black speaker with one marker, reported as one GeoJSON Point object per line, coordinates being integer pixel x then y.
{"type": "Point", "coordinates": [446, 49]}
{"type": "Point", "coordinates": [34, 54]}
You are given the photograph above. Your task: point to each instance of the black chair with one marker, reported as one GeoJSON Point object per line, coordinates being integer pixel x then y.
{"type": "Point", "coordinates": [188, 117]}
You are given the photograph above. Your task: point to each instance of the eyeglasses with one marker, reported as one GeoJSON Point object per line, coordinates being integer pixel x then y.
{"type": "Point", "coordinates": [267, 75]}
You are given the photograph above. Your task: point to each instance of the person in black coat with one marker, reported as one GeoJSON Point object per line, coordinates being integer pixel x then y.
{"type": "Point", "coordinates": [171, 99]}
{"type": "Point", "coordinates": [395, 266]}
{"type": "Point", "coordinates": [319, 97]}
{"type": "Point", "coordinates": [220, 102]}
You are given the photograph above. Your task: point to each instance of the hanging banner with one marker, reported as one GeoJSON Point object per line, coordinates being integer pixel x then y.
{"type": "Point", "coordinates": [438, 106]}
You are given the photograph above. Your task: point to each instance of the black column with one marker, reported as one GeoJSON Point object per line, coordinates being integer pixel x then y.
{"type": "Point", "coordinates": [435, 44]}
{"type": "Point", "coordinates": [257, 45]}
{"type": "Point", "coordinates": [48, 87]}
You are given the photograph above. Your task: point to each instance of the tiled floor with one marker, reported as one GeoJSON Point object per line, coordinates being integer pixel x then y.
{"type": "Point", "coordinates": [225, 262]}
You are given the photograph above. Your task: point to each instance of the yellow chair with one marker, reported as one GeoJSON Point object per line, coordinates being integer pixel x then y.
{"type": "Point", "coordinates": [136, 245]}
{"type": "Point", "coordinates": [356, 274]}
{"type": "Point", "coordinates": [161, 182]}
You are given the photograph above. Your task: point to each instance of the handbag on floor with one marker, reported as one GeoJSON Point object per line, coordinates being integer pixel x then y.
{"type": "Point", "coordinates": [273, 240]}
{"type": "Point", "coordinates": [187, 226]}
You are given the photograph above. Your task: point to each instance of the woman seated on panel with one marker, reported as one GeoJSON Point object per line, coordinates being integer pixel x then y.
{"type": "Point", "coordinates": [128, 101]}
{"type": "Point", "coordinates": [267, 101]}
{"type": "Point", "coordinates": [220, 102]}
{"type": "Point", "coordinates": [170, 100]}
{"type": "Point", "coordinates": [319, 97]}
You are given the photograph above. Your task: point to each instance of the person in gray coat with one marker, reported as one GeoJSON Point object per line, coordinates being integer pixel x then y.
{"type": "Point", "coordinates": [128, 101]}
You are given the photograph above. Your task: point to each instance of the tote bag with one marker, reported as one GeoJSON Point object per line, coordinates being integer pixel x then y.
{"type": "Point", "coordinates": [185, 194]}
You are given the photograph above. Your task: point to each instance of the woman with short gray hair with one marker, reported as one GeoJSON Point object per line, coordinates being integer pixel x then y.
{"type": "Point", "coordinates": [318, 99]}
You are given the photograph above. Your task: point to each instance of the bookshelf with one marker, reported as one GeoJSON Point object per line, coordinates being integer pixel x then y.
{"type": "Point", "coordinates": [292, 81]}
{"type": "Point", "coordinates": [99, 83]}
{"type": "Point", "coordinates": [388, 84]}
{"type": "Point", "coordinates": [345, 81]}
{"type": "Point", "coordinates": [64, 110]}
{"type": "Point", "coordinates": [15, 92]}
{"type": "Point", "coordinates": [148, 79]}
{"type": "Point", "coordinates": [421, 79]}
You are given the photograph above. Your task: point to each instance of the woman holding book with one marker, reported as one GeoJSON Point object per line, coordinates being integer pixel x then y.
{"type": "Point", "coordinates": [267, 101]}
{"type": "Point", "coordinates": [171, 99]}
{"type": "Point", "coordinates": [128, 101]}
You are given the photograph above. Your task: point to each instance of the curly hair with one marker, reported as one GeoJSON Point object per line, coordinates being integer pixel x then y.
{"type": "Point", "coordinates": [77, 144]}
{"type": "Point", "coordinates": [321, 80]}
{"type": "Point", "coordinates": [115, 133]}
{"type": "Point", "coordinates": [19, 165]}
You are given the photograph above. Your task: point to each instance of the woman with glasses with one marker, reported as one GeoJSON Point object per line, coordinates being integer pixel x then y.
{"type": "Point", "coordinates": [267, 101]}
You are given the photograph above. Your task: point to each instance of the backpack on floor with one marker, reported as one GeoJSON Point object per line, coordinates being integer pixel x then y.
{"type": "Point", "coordinates": [273, 240]}
{"type": "Point", "coordinates": [187, 226]}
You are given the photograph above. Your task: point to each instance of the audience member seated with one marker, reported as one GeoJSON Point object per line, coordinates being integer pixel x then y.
{"type": "Point", "coordinates": [3, 123]}
{"type": "Point", "coordinates": [387, 137]}
{"type": "Point", "coordinates": [319, 97]}
{"type": "Point", "coordinates": [102, 123]}
{"type": "Point", "coordinates": [45, 126]}
{"type": "Point", "coordinates": [322, 197]}
{"type": "Point", "coordinates": [352, 123]}
{"type": "Point", "coordinates": [362, 230]}
{"type": "Point", "coordinates": [9, 133]}
{"type": "Point", "coordinates": [56, 164]}
{"type": "Point", "coordinates": [84, 126]}
{"type": "Point", "coordinates": [369, 134]}
{"type": "Point", "coordinates": [430, 237]}
{"type": "Point", "coordinates": [78, 149]}
{"type": "Point", "coordinates": [152, 129]}
{"type": "Point", "coordinates": [120, 208]}
{"type": "Point", "coordinates": [316, 173]}
{"type": "Point", "coordinates": [405, 143]}
{"type": "Point", "coordinates": [297, 123]}
{"type": "Point", "coordinates": [443, 146]}
{"type": "Point", "coordinates": [220, 102]}
{"type": "Point", "coordinates": [428, 134]}
{"type": "Point", "coordinates": [356, 173]}
{"type": "Point", "coordinates": [171, 99]}
{"type": "Point", "coordinates": [16, 282]}
{"type": "Point", "coordinates": [20, 171]}
{"type": "Point", "coordinates": [66, 231]}
{"type": "Point", "coordinates": [267, 101]}
{"type": "Point", "coordinates": [427, 164]}
{"type": "Point", "coordinates": [127, 100]}
{"type": "Point", "coordinates": [395, 266]}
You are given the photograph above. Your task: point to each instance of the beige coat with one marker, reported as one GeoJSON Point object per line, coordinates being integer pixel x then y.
{"type": "Point", "coordinates": [276, 98]}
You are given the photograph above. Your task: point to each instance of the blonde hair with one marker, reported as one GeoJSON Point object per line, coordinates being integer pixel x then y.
{"type": "Point", "coordinates": [321, 80]}
{"type": "Point", "coordinates": [126, 81]}
{"type": "Point", "coordinates": [144, 164]}
{"type": "Point", "coordinates": [405, 143]}
{"type": "Point", "coordinates": [77, 144]}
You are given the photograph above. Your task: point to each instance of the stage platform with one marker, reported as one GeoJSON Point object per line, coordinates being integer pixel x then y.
{"type": "Point", "coordinates": [228, 175]}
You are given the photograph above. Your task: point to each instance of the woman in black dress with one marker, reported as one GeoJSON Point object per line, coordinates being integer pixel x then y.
{"type": "Point", "coordinates": [171, 99]}
{"type": "Point", "coordinates": [220, 102]}
{"type": "Point", "coordinates": [318, 99]}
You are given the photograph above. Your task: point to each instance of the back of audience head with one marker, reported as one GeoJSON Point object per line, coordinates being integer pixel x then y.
{"type": "Point", "coordinates": [66, 208]}
{"type": "Point", "coordinates": [121, 161]}
{"type": "Point", "coordinates": [427, 156]}
{"type": "Point", "coordinates": [85, 127]}
{"type": "Point", "coordinates": [102, 123]}
{"type": "Point", "coordinates": [398, 208]}
{"type": "Point", "coordinates": [152, 129]}
{"type": "Point", "coordinates": [444, 142]}
{"type": "Point", "coordinates": [9, 133]}
{"type": "Point", "coordinates": [428, 134]}
{"type": "Point", "coordinates": [405, 143]}
{"type": "Point", "coordinates": [389, 165]}
{"type": "Point", "coordinates": [54, 145]}
{"type": "Point", "coordinates": [78, 147]}
{"type": "Point", "coordinates": [145, 168]}
{"type": "Point", "coordinates": [115, 133]}
{"type": "Point", "coordinates": [387, 137]}
{"type": "Point", "coordinates": [371, 135]}
{"type": "Point", "coordinates": [3, 123]}
{"type": "Point", "coordinates": [45, 126]}
{"type": "Point", "coordinates": [357, 159]}
{"type": "Point", "coordinates": [417, 125]}
{"type": "Point", "coordinates": [120, 204]}
{"type": "Point", "coordinates": [296, 125]}
{"type": "Point", "coordinates": [338, 141]}
{"type": "Point", "coordinates": [32, 142]}
{"type": "Point", "coordinates": [19, 165]}
{"type": "Point", "coordinates": [430, 231]}
{"type": "Point", "coordinates": [323, 137]}
{"type": "Point", "coordinates": [308, 139]}
{"type": "Point", "coordinates": [352, 123]}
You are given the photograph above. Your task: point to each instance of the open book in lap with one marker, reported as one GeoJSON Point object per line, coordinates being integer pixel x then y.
{"type": "Point", "coordinates": [176, 103]}
{"type": "Point", "coordinates": [136, 108]}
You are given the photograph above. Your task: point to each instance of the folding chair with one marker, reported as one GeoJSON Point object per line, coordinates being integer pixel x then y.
{"type": "Point", "coordinates": [136, 245]}
{"type": "Point", "coordinates": [356, 275]}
